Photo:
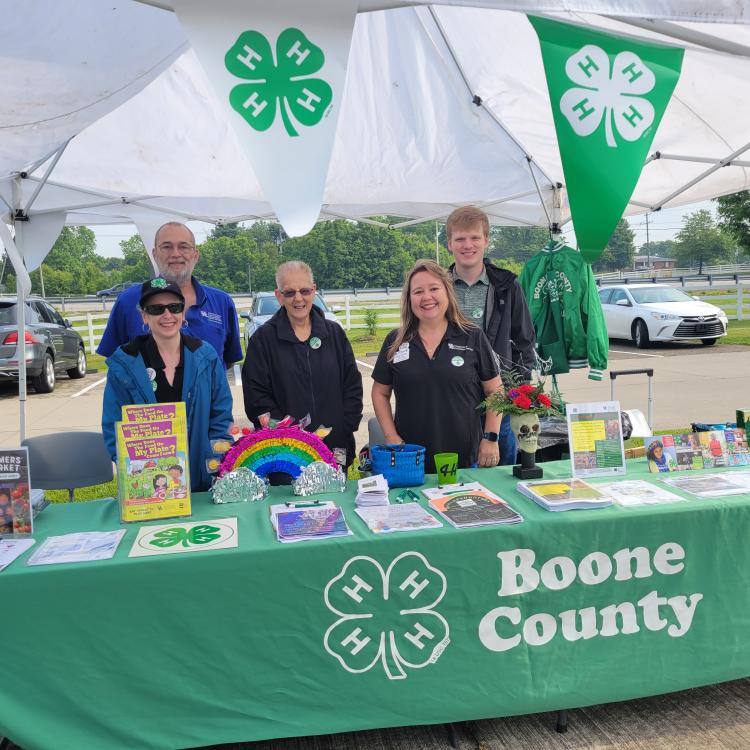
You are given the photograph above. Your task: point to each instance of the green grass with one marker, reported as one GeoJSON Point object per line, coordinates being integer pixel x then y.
{"type": "Point", "coordinates": [84, 493]}
{"type": "Point", "coordinates": [738, 332]}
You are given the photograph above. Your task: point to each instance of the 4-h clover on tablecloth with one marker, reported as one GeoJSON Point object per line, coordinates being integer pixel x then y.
{"type": "Point", "coordinates": [386, 616]}
{"type": "Point", "coordinates": [287, 80]}
{"type": "Point", "coordinates": [202, 534]}
{"type": "Point", "coordinates": [616, 95]}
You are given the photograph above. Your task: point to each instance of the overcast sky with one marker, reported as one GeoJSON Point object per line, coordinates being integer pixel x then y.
{"type": "Point", "coordinates": [662, 225]}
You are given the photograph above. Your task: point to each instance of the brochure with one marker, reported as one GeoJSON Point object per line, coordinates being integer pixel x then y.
{"type": "Point", "coordinates": [16, 512]}
{"type": "Point", "coordinates": [311, 523]}
{"type": "Point", "coordinates": [714, 447]}
{"type": "Point", "coordinates": [10, 549]}
{"type": "Point", "coordinates": [470, 504]}
{"type": "Point", "coordinates": [661, 453]}
{"type": "Point", "coordinates": [687, 446]}
{"type": "Point", "coordinates": [595, 435]}
{"type": "Point", "coordinates": [564, 494]}
{"type": "Point", "coordinates": [154, 412]}
{"type": "Point", "coordinates": [712, 485]}
{"type": "Point", "coordinates": [274, 510]}
{"type": "Point", "coordinates": [82, 546]}
{"type": "Point", "coordinates": [153, 471]}
{"type": "Point", "coordinates": [737, 447]}
{"type": "Point", "coordinates": [637, 492]}
{"type": "Point", "coordinates": [372, 491]}
{"type": "Point", "coordinates": [193, 536]}
{"type": "Point", "coordinates": [406, 517]}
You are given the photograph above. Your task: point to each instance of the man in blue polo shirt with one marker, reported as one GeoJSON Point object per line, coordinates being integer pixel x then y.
{"type": "Point", "coordinates": [210, 313]}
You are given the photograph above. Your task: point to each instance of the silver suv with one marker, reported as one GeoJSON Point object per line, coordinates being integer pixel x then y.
{"type": "Point", "coordinates": [52, 345]}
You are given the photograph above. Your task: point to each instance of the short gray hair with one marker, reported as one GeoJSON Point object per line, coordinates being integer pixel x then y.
{"type": "Point", "coordinates": [293, 266]}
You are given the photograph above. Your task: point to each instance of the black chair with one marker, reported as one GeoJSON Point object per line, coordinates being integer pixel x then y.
{"type": "Point", "coordinates": [67, 460]}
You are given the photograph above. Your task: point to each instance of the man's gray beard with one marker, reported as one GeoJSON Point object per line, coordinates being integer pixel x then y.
{"type": "Point", "coordinates": [174, 278]}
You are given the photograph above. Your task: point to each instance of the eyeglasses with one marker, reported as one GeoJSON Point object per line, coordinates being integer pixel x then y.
{"type": "Point", "coordinates": [173, 307]}
{"type": "Point", "coordinates": [182, 247]}
{"type": "Point", "coordinates": [290, 293]}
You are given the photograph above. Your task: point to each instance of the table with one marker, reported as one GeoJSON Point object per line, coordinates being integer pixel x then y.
{"type": "Point", "coordinates": [271, 640]}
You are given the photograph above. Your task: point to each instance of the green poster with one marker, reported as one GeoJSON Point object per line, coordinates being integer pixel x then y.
{"type": "Point", "coordinates": [608, 94]}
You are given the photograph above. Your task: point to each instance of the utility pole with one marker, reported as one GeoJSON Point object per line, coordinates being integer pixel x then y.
{"type": "Point", "coordinates": [437, 246]}
{"type": "Point", "coordinates": [648, 244]}
{"type": "Point", "coordinates": [41, 278]}
{"type": "Point", "coordinates": [249, 280]}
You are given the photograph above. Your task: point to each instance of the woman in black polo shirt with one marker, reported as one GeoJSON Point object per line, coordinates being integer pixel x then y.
{"type": "Point", "coordinates": [440, 366]}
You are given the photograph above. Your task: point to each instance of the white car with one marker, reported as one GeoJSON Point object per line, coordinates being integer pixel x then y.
{"type": "Point", "coordinates": [658, 312]}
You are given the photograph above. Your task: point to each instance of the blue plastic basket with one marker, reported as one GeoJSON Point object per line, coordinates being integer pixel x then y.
{"type": "Point", "coordinates": [402, 465]}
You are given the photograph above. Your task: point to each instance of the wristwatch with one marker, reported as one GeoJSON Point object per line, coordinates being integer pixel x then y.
{"type": "Point", "coordinates": [493, 437]}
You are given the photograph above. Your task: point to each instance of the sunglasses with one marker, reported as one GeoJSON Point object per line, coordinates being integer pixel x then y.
{"type": "Point", "coordinates": [290, 293]}
{"type": "Point", "coordinates": [173, 307]}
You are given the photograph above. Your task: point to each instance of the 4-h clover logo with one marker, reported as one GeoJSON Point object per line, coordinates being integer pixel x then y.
{"type": "Point", "coordinates": [613, 97]}
{"type": "Point", "coordinates": [286, 80]}
{"type": "Point", "coordinates": [202, 534]}
{"type": "Point", "coordinates": [386, 616]}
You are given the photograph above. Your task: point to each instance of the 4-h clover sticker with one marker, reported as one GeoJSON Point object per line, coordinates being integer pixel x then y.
{"type": "Point", "coordinates": [616, 96]}
{"type": "Point", "coordinates": [287, 80]}
{"type": "Point", "coordinates": [202, 534]}
{"type": "Point", "coordinates": [386, 616]}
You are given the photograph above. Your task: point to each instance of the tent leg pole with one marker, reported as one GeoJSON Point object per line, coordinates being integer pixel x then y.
{"type": "Point", "coordinates": [562, 721]}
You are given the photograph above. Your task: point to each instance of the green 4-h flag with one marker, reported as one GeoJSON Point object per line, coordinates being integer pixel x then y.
{"type": "Point", "coordinates": [608, 94]}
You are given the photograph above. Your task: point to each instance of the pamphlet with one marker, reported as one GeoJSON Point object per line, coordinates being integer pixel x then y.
{"type": "Point", "coordinates": [10, 549]}
{"type": "Point", "coordinates": [16, 512]}
{"type": "Point", "coordinates": [277, 508]}
{"type": "Point", "coordinates": [470, 504]}
{"type": "Point", "coordinates": [406, 517]}
{"type": "Point", "coordinates": [737, 447]}
{"type": "Point", "coordinates": [193, 536]}
{"type": "Point", "coordinates": [372, 491]}
{"type": "Point", "coordinates": [628, 492]}
{"type": "Point", "coordinates": [311, 523]}
{"type": "Point", "coordinates": [661, 453]}
{"type": "Point", "coordinates": [687, 446]}
{"type": "Point", "coordinates": [152, 463]}
{"type": "Point", "coordinates": [714, 447]}
{"type": "Point", "coordinates": [84, 546]}
{"type": "Point", "coordinates": [564, 494]}
{"type": "Point", "coordinates": [712, 485]}
{"type": "Point", "coordinates": [595, 435]}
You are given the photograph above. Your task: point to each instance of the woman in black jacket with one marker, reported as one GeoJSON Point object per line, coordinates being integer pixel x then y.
{"type": "Point", "coordinates": [300, 363]}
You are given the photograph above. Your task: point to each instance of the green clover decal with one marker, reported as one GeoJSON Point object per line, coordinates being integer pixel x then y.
{"type": "Point", "coordinates": [386, 616]}
{"type": "Point", "coordinates": [615, 97]}
{"type": "Point", "coordinates": [287, 80]}
{"type": "Point", "coordinates": [196, 535]}
{"type": "Point", "coordinates": [158, 283]}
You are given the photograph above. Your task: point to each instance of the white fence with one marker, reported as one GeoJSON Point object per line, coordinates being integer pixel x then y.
{"type": "Point", "coordinates": [734, 299]}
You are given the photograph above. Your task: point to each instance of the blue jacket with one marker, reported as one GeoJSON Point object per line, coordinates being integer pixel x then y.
{"type": "Point", "coordinates": [205, 391]}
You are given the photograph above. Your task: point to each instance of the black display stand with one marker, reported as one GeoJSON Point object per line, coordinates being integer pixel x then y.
{"type": "Point", "coordinates": [527, 469]}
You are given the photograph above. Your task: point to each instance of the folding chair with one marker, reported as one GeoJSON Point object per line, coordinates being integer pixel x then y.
{"type": "Point", "coordinates": [67, 460]}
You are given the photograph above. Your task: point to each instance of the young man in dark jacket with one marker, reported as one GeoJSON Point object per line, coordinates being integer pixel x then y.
{"type": "Point", "coordinates": [492, 298]}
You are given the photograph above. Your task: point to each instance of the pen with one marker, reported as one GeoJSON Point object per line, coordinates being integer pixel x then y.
{"type": "Point", "coordinates": [294, 504]}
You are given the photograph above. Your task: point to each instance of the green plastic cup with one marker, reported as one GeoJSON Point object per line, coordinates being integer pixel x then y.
{"type": "Point", "coordinates": [446, 468]}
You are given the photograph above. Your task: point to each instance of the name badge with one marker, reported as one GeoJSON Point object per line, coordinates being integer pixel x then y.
{"type": "Point", "coordinates": [402, 354]}
{"type": "Point", "coordinates": [457, 361]}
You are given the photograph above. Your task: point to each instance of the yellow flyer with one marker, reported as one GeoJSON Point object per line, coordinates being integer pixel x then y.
{"type": "Point", "coordinates": [153, 412]}
{"type": "Point", "coordinates": [153, 470]}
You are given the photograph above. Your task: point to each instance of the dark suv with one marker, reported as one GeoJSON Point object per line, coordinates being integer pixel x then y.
{"type": "Point", "coordinates": [52, 346]}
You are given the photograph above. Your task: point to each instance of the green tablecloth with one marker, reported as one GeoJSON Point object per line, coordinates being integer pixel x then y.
{"type": "Point", "coordinates": [273, 640]}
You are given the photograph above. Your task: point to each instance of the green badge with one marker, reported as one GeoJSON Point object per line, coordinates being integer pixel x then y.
{"type": "Point", "coordinates": [477, 313]}
{"type": "Point", "coordinates": [457, 361]}
{"type": "Point", "coordinates": [158, 283]}
{"type": "Point", "coordinates": [315, 342]}
{"type": "Point", "coordinates": [153, 385]}
{"type": "Point", "coordinates": [286, 86]}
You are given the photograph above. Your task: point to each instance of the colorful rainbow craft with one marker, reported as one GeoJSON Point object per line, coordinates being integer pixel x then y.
{"type": "Point", "coordinates": [286, 449]}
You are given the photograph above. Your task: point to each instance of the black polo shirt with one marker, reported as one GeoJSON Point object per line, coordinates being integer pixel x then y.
{"type": "Point", "coordinates": [437, 399]}
{"type": "Point", "coordinates": [146, 347]}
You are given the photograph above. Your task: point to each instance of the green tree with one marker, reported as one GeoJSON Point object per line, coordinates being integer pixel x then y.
{"type": "Point", "coordinates": [517, 244]}
{"type": "Point", "coordinates": [620, 250]}
{"type": "Point", "coordinates": [136, 265]}
{"type": "Point", "coordinates": [700, 241]}
{"type": "Point", "coordinates": [734, 219]}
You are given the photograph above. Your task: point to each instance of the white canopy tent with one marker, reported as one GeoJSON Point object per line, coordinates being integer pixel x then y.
{"type": "Point", "coordinates": [109, 118]}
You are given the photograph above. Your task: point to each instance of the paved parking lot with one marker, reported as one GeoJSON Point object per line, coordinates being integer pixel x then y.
{"type": "Point", "coordinates": [691, 383]}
